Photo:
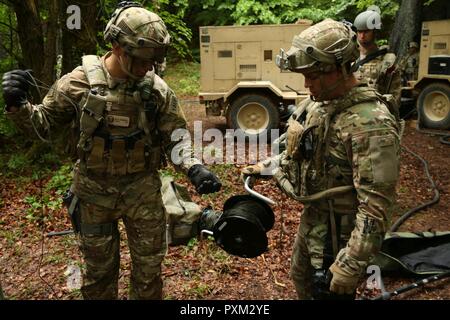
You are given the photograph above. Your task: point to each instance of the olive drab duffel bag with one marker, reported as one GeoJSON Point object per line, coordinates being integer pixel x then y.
{"type": "Point", "coordinates": [182, 214]}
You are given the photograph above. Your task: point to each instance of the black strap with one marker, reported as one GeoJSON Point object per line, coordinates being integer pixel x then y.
{"type": "Point", "coordinates": [368, 58]}
{"type": "Point", "coordinates": [328, 252]}
{"type": "Point", "coordinates": [102, 229]}
{"type": "Point", "coordinates": [130, 139]}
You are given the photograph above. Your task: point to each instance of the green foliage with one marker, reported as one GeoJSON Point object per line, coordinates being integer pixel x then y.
{"type": "Point", "coordinates": [61, 180]}
{"type": "Point", "coordinates": [38, 205]}
{"type": "Point", "coordinates": [7, 128]}
{"type": "Point", "coordinates": [18, 162]}
{"type": "Point", "coordinates": [170, 172]}
{"type": "Point", "coordinates": [172, 13]}
{"type": "Point", "coordinates": [183, 78]}
{"type": "Point", "coordinates": [34, 209]}
{"type": "Point", "coordinates": [192, 243]}
{"type": "Point", "coordinates": [243, 12]}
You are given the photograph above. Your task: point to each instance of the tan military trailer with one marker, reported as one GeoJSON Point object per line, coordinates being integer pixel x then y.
{"type": "Point", "coordinates": [432, 87]}
{"type": "Point", "coordinates": [239, 77]}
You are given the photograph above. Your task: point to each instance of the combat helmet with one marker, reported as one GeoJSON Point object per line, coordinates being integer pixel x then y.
{"type": "Point", "coordinates": [413, 44]}
{"type": "Point", "coordinates": [368, 20]}
{"type": "Point", "coordinates": [141, 33]}
{"type": "Point", "coordinates": [322, 47]}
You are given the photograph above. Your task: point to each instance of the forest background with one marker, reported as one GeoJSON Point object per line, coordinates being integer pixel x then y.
{"type": "Point", "coordinates": [34, 34]}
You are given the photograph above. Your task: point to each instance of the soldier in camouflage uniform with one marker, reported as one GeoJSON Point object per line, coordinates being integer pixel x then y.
{"type": "Point", "coordinates": [410, 63]}
{"type": "Point", "coordinates": [126, 115]}
{"type": "Point", "coordinates": [341, 160]}
{"type": "Point", "coordinates": [376, 66]}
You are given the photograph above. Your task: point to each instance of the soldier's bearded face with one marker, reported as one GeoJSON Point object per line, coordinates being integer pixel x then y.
{"type": "Point", "coordinates": [366, 37]}
{"type": "Point", "coordinates": [318, 84]}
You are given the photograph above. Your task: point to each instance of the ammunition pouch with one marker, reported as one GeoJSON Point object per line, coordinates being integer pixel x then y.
{"type": "Point", "coordinates": [120, 154]}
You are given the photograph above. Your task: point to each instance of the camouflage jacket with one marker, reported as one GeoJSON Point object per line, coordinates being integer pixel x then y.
{"type": "Point", "coordinates": [383, 74]}
{"type": "Point", "coordinates": [410, 66]}
{"type": "Point", "coordinates": [63, 107]}
{"type": "Point", "coordinates": [350, 143]}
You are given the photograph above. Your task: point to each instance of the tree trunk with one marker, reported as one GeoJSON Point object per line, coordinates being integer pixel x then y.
{"type": "Point", "coordinates": [408, 24]}
{"type": "Point", "coordinates": [50, 45]}
{"type": "Point", "coordinates": [406, 27]}
{"type": "Point", "coordinates": [76, 43]}
{"type": "Point", "coordinates": [31, 37]}
{"type": "Point", "coordinates": [37, 40]}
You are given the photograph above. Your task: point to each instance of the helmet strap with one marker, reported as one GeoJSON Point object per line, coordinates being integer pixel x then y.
{"type": "Point", "coordinates": [127, 68]}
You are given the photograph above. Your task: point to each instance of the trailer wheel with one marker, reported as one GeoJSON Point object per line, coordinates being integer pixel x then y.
{"type": "Point", "coordinates": [254, 114]}
{"type": "Point", "coordinates": [433, 106]}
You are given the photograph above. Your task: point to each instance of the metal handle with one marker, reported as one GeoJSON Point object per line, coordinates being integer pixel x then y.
{"type": "Point", "coordinates": [205, 231]}
{"type": "Point", "coordinates": [256, 194]}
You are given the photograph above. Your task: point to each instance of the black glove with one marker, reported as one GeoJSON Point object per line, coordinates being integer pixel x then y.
{"type": "Point", "coordinates": [204, 180]}
{"type": "Point", "coordinates": [15, 85]}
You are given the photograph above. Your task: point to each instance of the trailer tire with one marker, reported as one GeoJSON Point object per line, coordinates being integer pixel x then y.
{"type": "Point", "coordinates": [256, 115]}
{"type": "Point", "coordinates": [433, 106]}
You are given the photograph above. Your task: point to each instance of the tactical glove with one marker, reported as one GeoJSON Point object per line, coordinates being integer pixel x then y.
{"type": "Point", "coordinates": [342, 282]}
{"type": "Point", "coordinates": [15, 85]}
{"type": "Point", "coordinates": [204, 180]}
{"type": "Point", "coordinates": [256, 172]}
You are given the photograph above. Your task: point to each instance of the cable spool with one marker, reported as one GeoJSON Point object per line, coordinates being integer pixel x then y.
{"type": "Point", "coordinates": [241, 229]}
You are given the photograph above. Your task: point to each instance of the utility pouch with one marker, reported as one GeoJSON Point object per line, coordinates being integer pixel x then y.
{"type": "Point", "coordinates": [95, 161]}
{"type": "Point", "coordinates": [92, 113]}
{"type": "Point", "coordinates": [136, 158]}
{"type": "Point", "coordinates": [294, 132]}
{"type": "Point", "coordinates": [117, 161]}
{"type": "Point", "coordinates": [71, 202]}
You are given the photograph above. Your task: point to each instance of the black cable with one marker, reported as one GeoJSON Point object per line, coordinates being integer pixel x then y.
{"type": "Point", "coordinates": [445, 139]}
{"type": "Point", "coordinates": [408, 214]}
{"type": "Point", "coordinates": [388, 295]}
{"type": "Point", "coordinates": [444, 136]}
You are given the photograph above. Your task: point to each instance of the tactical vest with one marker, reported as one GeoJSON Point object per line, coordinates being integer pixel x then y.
{"type": "Point", "coordinates": [117, 125]}
{"type": "Point", "coordinates": [308, 171]}
{"type": "Point", "coordinates": [374, 73]}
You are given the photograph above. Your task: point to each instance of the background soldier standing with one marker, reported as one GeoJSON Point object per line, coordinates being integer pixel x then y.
{"type": "Point", "coordinates": [126, 115]}
{"type": "Point", "coordinates": [410, 63]}
{"type": "Point", "coordinates": [341, 160]}
{"type": "Point", "coordinates": [375, 66]}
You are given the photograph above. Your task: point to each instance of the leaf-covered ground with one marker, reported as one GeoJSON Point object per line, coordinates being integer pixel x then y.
{"type": "Point", "coordinates": [35, 267]}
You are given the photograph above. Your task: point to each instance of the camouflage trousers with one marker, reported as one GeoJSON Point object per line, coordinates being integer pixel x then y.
{"type": "Point", "coordinates": [2, 297]}
{"type": "Point", "coordinates": [144, 219]}
{"type": "Point", "coordinates": [308, 251]}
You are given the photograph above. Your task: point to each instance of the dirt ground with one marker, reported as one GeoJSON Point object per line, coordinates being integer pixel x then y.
{"type": "Point", "coordinates": [35, 267]}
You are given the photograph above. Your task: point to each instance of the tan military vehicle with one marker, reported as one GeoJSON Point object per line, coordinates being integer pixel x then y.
{"type": "Point", "coordinates": [239, 77]}
{"type": "Point", "coordinates": [432, 87]}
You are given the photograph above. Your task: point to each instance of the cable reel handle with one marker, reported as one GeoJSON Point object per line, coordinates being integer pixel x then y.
{"type": "Point", "coordinates": [256, 194]}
